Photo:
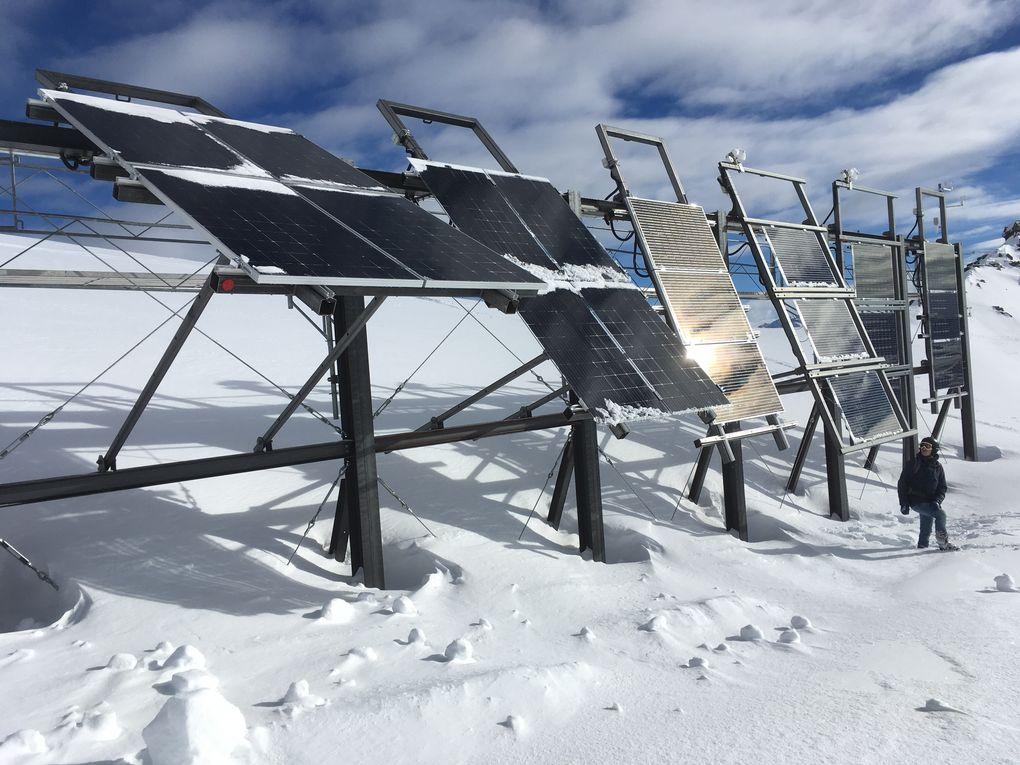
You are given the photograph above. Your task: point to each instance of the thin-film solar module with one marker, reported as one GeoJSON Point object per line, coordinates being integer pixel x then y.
{"type": "Point", "coordinates": [277, 232]}
{"type": "Point", "coordinates": [801, 257]}
{"type": "Point", "coordinates": [705, 306]}
{"type": "Point", "coordinates": [944, 315]}
{"type": "Point", "coordinates": [551, 220]}
{"type": "Point", "coordinates": [678, 235]}
{"type": "Point", "coordinates": [478, 209]}
{"type": "Point", "coordinates": [947, 364]}
{"type": "Point", "coordinates": [865, 404]}
{"type": "Point", "coordinates": [418, 239]}
{"type": "Point", "coordinates": [286, 154]}
{"type": "Point", "coordinates": [146, 134]}
{"type": "Point", "coordinates": [882, 328]}
{"type": "Point", "coordinates": [874, 275]}
{"type": "Point", "coordinates": [739, 369]}
{"type": "Point", "coordinates": [831, 329]}
{"type": "Point", "coordinates": [940, 266]}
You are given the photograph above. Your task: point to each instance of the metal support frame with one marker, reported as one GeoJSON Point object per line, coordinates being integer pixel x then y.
{"type": "Point", "coordinates": [393, 111]}
{"type": "Point", "coordinates": [108, 461]}
{"type": "Point", "coordinates": [899, 305]}
{"type": "Point", "coordinates": [699, 474]}
{"type": "Point", "coordinates": [734, 499]}
{"type": "Point", "coordinates": [358, 506]}
{"type": "Point", "coordinates": [559, 496]}
{"type": "Point", "coordinates": [802, 450]}
{"type": "Point", "coordinates": [835, 464]}
{"type": "Point", "coordinates": [123, 91]}
{"type": "Point", "coordinates": [588, 489]}
{"type": "Point", "coordinates": [352, 333]}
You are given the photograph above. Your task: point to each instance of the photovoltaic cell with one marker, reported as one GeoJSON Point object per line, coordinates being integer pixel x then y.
{"type": "Point", "coordinates": [831, 329]}
{"type": "Point", "coordinates": [944, 315]}
{"type": "Point", "coordinates": [865, 404]}
{"type": "Point", "coordinates": [419, 240]}
{"type": "Point", "coordinates": [286, 154]}
{"type": "Point", "coordinates": [654, 349]}
{"type": "Point", "coordinates": [883, 331]}
{"type": "Point", "coordinates": [277, 231]}
{"type": "Point", "coordinates": [940, 266]}
{"type": "Point", "coordinates": [947, 364]}
{"type": "Point", "coordinates": [874, 275]}
{"type": "Point", "coordinates": [551, 220]}
{"type": "Point", "coordinates": [478, 209]}
{"type": "Point", "coordinates": [678, 235]}
{"type": "Point", "coordinates": [739, 369]}
{"type": "Point", "coordinates": [801, 257]}
{"type": "Point", "coordinates": [705, 306]}
{"type": "Point", "coordinates": [145, 134]}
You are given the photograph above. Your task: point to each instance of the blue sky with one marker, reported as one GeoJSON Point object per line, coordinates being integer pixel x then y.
{"type": "Point", "coordinates": [911, 93]}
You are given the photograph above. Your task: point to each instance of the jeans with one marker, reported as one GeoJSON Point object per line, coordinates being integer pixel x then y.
{"type": "Point", "coordinates": [929, 512]}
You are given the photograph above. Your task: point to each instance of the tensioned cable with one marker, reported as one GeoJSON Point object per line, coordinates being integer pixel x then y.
{"type": "Point", "coordinates": [541, 494]}
{"type": "Point", "coordinates": [308, 528]}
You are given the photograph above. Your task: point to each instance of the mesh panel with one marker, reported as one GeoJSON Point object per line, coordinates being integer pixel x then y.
{"type": "Point", "coordinates": [874, 276]}
{"type": "Point", "coordinates": [865, 404]}
{"type": "Point", "coordinates": [939, 266]}
{"type": "Point", "coordinates": [801, 257]}
{"type": "Point", "coordinates": [831, 329]}
{"type": "Point", "coordinates": [882, 331]}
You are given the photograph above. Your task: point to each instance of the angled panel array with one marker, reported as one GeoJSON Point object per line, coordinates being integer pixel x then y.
{"type": "Point", "coordinates": [841, 357]}
{"type": "Point", "coordinates": [618, 356]}
{"type": "Point", "coordinates": [694, 286]}
{"type": "Point", "coordinates": [287, 210]}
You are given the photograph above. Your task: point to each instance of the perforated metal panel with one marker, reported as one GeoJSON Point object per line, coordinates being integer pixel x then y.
{"type": "Point", "coordinates": [801, 257]}
{"type": "Point", "coordinates": [678, 236]}
{"type": "Point", "coordinates": [874, 273]}
{"type": "Point", "coordinates": [831, 329]}
{"type": "Point", "coordinates": [865, 404]}
{"type": "Point", "coordinates": [939, 266]}
{"type": "Point", "coordinates": [883, 331]}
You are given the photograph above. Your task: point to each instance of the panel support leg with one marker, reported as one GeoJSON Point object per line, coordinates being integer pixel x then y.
{"type": "Point", "coordinates": [588, 488]}
{"type": "Point", "coordinates": [940, 421]}
{"type": "Point", "coordinates": [869, 461]}
{"type": "Point", "coordinates": [835, 468]}
{"type": "Point", "coordinates": [969, 423]}
{"type": "Point", "coordinates": [358, 508]}
{"type": "Point", "coordinates": [109, 460]}
{"type": "Point", "coordinates": [802, 450]}
{"type": "Point", "coordinates": [559, 496]}
{"type": "Point", "coordinates": [733, 488]}
{"type": "Point", "coordinates": [700, 472]}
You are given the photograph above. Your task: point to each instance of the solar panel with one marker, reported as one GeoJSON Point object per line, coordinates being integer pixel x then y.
{"type": "Point", "coordinates": [286, 154]}
{"type": "Point", "coordinates": [418, 239]}
{"type": "Point", "coordinates": [146, 134]}
{"type": "Point", "coordinates": [884, 335]}
{"type": "Point", "coordinates": [586, 355]}
{"type": "Point", "coordinates": [278, 233]}
{"type": "Point", "coordinates": [678, 235]}
{"type": "Point", "coordinates": [562, 234]}
{"type": "Point", "coordinates": [705, 306]}
{"type": "Point", "coordinates": [874, 274]}
{"type": "Point", "coordinates": [739, 369]}
{"type": "Point", "coordinates": [947, 363]}
{"type": "Point", "coordinates": [478, 209]}
{"type": "Point", "coordinates": [801, 257]}
{"type": "Point", "coordinates": [831, 329]}
{"type": "Point", "coordinates": [865, 404]}
{"type": "Point", "coordinates": [939, 266]}
{"type": "Point", "coordinates": [653, 348]}
{"type": "Point", "coordinates": [944, 315]}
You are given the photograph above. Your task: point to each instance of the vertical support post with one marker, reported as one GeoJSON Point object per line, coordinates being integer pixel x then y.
{"type": "Point", "coordinates": [968, 419]}
{"type": "Point", "coordinates": [334, 392]}
{"type": "Point", "coordinates": [835, 464]}
{"type": "Point", "coordinates": [869, 461]}
{"type": "Point", "coordinates": [559, 496]}
{"type": "Point", "coordinates": [802, 450]}
{"type": "Point", "coordinates": [588, 488]}
{"type": "Point", "coordinates": [940, 421]}
{"type": "Point", "coordinates": [700, 472]}
{"type": "Point", "coordinates": [733, 488]}
{"type": "Point", "coordinates": [14, 191]}
{"type": "Point", "coordinates": [358, 508]}
{"type": "Point", "coordinates": [341, 533]}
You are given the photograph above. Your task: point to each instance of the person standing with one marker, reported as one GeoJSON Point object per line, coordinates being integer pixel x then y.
{"type": "Point", "coordinates": [922, 488]}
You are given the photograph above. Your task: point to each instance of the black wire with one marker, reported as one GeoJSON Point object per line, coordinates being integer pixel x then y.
{"type": "Point", "coordinates": [829, 215]}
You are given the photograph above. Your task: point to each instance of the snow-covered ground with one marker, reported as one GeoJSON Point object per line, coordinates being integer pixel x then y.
{"type": "Point", "coordinates": [178, 623]}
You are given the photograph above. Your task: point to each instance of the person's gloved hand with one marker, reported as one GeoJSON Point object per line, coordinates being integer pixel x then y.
{"type": "Point", "coordinates": [905, 509]}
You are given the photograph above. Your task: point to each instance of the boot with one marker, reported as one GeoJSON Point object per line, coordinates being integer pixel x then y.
{"type": "Point", "coordinates": [943, 540]}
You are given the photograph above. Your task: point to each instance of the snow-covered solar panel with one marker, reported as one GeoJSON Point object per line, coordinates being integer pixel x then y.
{"type": "Point", "coordinates": [694, 286]}
{"type": "Point", "coordinates": [618, 356]}
{"type": "Point", "coordinates": [288, 210]}
{"type": "Point", "coordinates": [801, 257]}
{"type": "Point", "coordinates": [866, 405]}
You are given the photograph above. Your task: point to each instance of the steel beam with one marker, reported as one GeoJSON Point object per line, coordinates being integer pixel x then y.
{"type": "Point", "coordinates": [734, 498]}
{"type": "Point", "coordinates": [588, 488]}
{"type": "Point", "coordinates": [802, 450]}
{"type": "Point", "coordinates": [109, 460]}
{"type": "Point", "coordinates": [352, 333]}
{"type": "Point", "coordinates": [835, 464]}
{"type": "Point", "coordinates": [562, 486]}
{"type": "Point", "coordinates": [699, 474]}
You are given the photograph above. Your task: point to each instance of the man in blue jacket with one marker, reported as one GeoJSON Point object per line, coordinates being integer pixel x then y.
{"type": "Point", "coordinates": [922, 488]}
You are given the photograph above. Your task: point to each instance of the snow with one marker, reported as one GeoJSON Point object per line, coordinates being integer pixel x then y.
{"type": "Point", "coordinates": [203, 118]}
{"type": "Point", "coordinates": [1005, 583]}
{"type": "Point", "coordinates": [419, 165]}
{"type": "Point", "coordinates": [200, 568]}
{"type": "Point", "coordinates": [158, 113]}
{"type": "Point", "coordinates": [575, 278]}
{"type": "Point", "coordinates": [228, 180]}
{"type": "Point", "coordinates": [338, 610]}
{"type": "Point", "coordinates": [612, 413]}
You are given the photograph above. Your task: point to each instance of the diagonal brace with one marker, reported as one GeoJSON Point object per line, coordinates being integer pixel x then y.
{"type": "Point", "coordinates": [265, 441]}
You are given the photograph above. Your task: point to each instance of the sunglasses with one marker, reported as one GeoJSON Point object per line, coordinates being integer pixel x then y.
{"type": "Point", "coordinates": [926, 446]}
